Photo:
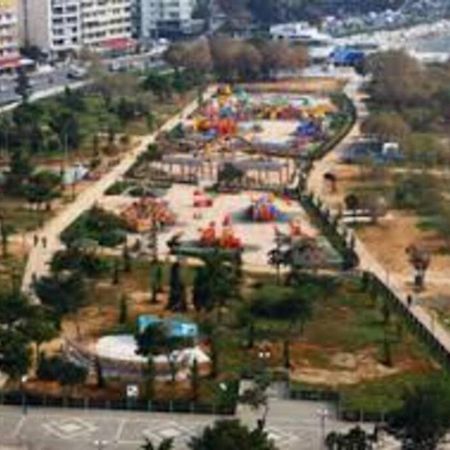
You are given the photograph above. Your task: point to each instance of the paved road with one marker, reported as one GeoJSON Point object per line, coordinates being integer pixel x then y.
{"type": "Point", "coordinates": [367, 260]}
{"type": "Point", "coordinates": [40, 82]}
{"type": "Point", "coordinates": [39, 256]}
{"type": "Point", "coordinates": [292, 425]}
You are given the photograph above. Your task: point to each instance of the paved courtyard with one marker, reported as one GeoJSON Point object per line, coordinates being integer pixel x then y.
{"type": "Point", "coordinates": [292, 425]}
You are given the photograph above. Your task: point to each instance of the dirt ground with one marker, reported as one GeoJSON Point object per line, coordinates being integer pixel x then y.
{"type": "Point", "coordinates": [352, 368]}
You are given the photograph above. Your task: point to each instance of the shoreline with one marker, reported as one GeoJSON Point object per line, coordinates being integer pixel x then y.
{"type": "Point", "coordinates": [403, 38]}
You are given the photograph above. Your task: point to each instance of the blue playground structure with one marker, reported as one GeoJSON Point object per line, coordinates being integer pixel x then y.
{"type": "Point", "coordinates": [178, 328]}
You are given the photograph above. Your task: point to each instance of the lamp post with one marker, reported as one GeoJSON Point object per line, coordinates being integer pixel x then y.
{"type": "Point", "coordinates": [323, 414]}
{"type": "Point", "coordinates": [23, 380]}
{"type": "Point", "coordinates": [264, 355]}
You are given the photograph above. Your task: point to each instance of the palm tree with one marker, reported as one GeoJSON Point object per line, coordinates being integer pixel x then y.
{"type": "Point", "coordinates": [420, 260]}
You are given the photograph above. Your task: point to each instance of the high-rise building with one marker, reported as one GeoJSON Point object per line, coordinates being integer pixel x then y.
{"type": "Point", "coordinates": [164, 17]}
{"type": "Point", "coordinates": [106, 24]}
{"type": "Point", "coordinates": [61, 27]}
{"type": "Point", "coordinates": [9, 35]}
{"type": "Point", "coordinates": [52, 25]}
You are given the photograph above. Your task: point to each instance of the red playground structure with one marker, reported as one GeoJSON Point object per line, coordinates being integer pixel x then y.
{"type": "Point", "coordinates": [226, 240]}
{"type": "Point", "coordinates": [201, 200]}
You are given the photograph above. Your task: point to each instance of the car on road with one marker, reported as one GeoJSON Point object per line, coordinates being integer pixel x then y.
{"type": "Point", "coordinates": [77, 73]}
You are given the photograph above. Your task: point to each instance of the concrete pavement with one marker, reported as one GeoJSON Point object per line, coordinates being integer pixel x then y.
{"type": "Point", "coordinates": [293, 425]}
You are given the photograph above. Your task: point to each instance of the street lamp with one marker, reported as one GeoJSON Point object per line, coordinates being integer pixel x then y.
{"type": "Point", "coordinates": [264, 354]}
{"type": "Point", "coordinates": [23, 380]}
{"type": "Point", "coordinates": [323, 415]}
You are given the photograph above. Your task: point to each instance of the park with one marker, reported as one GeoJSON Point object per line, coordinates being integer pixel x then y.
{"type": "Point", "coordinates": [219, 246]}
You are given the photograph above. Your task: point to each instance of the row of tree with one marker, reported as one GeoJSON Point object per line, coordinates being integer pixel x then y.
{"type": "Point", "coordinates": [237, 60]}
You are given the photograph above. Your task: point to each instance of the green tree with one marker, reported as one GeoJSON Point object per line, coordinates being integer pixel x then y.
{"type": "Point", "coordinates": [126, 258]}
{"type": "Point", "coordinates": [388, 126]}
{"type": "Point", "coordinates": [123, 309]}
{"type": "Point", "coordinates": [23, 86]}
{"type": "Point", "coordinates": [150, 376]}
{"type": "Point", "coordinates": [42, 188]}
{"type": "Point", "coordinates": [195, 379]}
{"type": "Point", "coordinates": [156, 339]}
{"type": "Point", "coordinates": [20, 170]}
{"type": "Point", "coordinates": [354, 439]}
{"type": "Point", "coordinates": [288, 304]}
{"type": "Point", "coordinates": [15, 354]}
{"type": "Point", "coordinates": [424, 417]}
{"type": "Point", "coordinates": [5, 231]}
{"type": "Point", "coordinates": [177, 289]}
{"type": "Point", "coordinates": [40, 329]}
{"type": "Point", "coordinates": [156, 280]}
{"type": "Point", "coordinates": [256, 397]}
{"type": "Point", "coordinates": [165, 444]}
{"type": "Point", "coordinates": [231, 435]}
{"type": "Point", "coordinates": [64, 293]}
{"type": "Point", "coordinates": [215, 283]}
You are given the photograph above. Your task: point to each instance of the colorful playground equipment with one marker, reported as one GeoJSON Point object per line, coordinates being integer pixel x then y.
{"type": "Point", "coordinates": [201, 200]}
{"type": "Point", "coordinates": [141, 215]}
{"type": "Point", "coordinates": [226, 240]}
{"type": "Point", "coordinates": [220, 126]}
{"type": "Point", "coordinates": [309, 128]}
{"type": "Point", "coordinates": [263, 209]}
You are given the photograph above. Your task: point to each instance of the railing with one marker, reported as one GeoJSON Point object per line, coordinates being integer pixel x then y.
{"type": "Point", "coordinates": [25, 400]}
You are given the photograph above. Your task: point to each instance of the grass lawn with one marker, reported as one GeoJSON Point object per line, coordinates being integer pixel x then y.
{"type": "Point", "coordinates": [341, 347]}
{"type": "Point", "coordinates": [21, 218]}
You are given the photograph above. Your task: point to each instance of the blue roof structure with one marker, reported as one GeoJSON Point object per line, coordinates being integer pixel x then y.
{"type": "Point", "coordinates": [347, 56]}
{"type": "Point", "coordinates": [180, 328]}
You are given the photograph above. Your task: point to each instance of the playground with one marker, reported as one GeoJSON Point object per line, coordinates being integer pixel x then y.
{"type": "Point", "coordinates": [260, 133]}
{"type": "Point", "coordinates": [248, 221]}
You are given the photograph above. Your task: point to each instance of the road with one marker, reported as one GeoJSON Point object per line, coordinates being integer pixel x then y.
{"type": "Point", "coordinates": [40, 82]}
{"type": "Point", "coordinates": [367, 261]}
{"type": "Point", "coordinates": [39, 257]}
{"type": "Point", "coordinates": [293, 425]}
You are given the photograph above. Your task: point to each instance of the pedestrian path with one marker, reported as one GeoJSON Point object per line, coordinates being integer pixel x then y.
{"type": "Point", "coordinates": [40, 255]}
{"type": "Point", "coordinates": [367, 260]}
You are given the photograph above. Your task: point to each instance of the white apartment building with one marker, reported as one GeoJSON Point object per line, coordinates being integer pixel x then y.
{"type": "Point", "coordinates": [164, 17]}
{"type": "Point", "coordinates": [61, 27]}
{"type": "Point", "coordinates": [9, 35]}
{"type": "Point", "coordinates": [52, 25]}
{"type": "Point", "coordinates": [106, 24]}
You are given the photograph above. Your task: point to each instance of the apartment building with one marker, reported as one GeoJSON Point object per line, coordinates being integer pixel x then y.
{"type": "Point", "coordinates": [165, 17]}
{"type": "Point", "coordinates": [106, 24]}
{"type": "Point", "coordinates": [9, 35]}
{"type": "Point", "coordinates": [52, 25]}
{"type": "Point", "coordinates": [62, 27]}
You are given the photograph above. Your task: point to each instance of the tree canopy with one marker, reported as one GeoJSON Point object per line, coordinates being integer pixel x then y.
{"type": "Point", "coordinates": [231, 435]}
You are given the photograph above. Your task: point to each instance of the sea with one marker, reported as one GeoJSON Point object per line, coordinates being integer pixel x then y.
{"type": "Point", "coordinates": [439, 44]}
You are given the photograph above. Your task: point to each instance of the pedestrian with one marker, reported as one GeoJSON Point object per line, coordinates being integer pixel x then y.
{"type": "Point", "coordinates": [409, 300]}
{"type": "Point", "coordinates": [44, 242]}
{"type": "Point", "coordinates": [36, 240]}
